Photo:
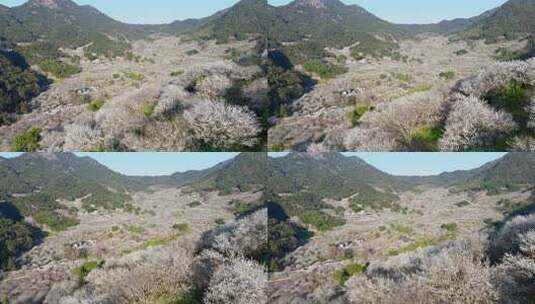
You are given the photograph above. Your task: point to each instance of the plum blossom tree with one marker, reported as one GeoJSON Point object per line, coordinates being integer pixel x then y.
{"type": "Point", "coordinates": [221, 126]}
{"type": "Point", "coordinates": [240, 281]}
{"type": "Point", "coordinates": [451, 274]}
{"type": "Point", "coordinates": [472, 124]}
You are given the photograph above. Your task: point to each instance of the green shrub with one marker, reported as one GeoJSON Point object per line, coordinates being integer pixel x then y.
{"type": "Point", "coordinates": [192, 52]}
{"type": "Point", "coordinates": [137, 229]}
{"type": "Point", "coordinates": [447, 75]}
{"type": "Point", "coordinates": [402, 229]}
{"type": "Point", "coordinates": [235, 96]}
{"type": "Point", "coordinates": [420, 88]}
{"type": "Point", "coordinates": [402, 77]}
{"type": "Point", "coordinates": [321, 220]}
{"type": "Point", "coordinates": [59, 69]}
{"type": "Point", "coordinates": [462, 204]}
{"type": "Point", "coordinates": [341, 276]}
{"type": "Point", "coordinates": [421, 243]}
{"type": "Point", "coordinates": [132, 57]}
{"type": "Point", "coordinates": [508, 206]}
{"type": "Point", "coordinates": [177, 73]}
{"type": "Point", "coordinates": [220, 221]}
{"type": "Point", "coordinates": [194, 204]}
{"type": "Point", "coordinates": [182, 227]}
{"type": "Point", "coordinates": [27, 141]}
{"type": "Point", "coordinates": [241, 207]}
{"type": "Point", "coordinates": [450, 227]}
{"type": "Point", "coordinates": [102, 45]}
{"type": "Point", "coordinates": [277, 148]}
{"type": "Point", "coordinates": [136, 76]}
{"type": "Point", "coordinates": [194, 296]}
{"type": "Point", "coordinates": [157, 241]}
{"type": "Point", "coordinates": [285, 86]}
{"type": "Point", "coordinates": [15, 238]}
{"type": "Point", "coordinates": [148, 109]}
{"type": "Point", "coordinates": [95, 105]}
{"type": "Point", "coordinates": [505, 54]}
{"type": "Point", "coordinates": [375, 48]}
{"type": "Point", "coordinates": [513, 98]}
{"type": "Point", "coordinates": [493, 187]}
{"type": "Point", "coordinates": [82, 271]}
{"type": "Point", "coordinates": [370, 198]}
{"type": "Point", "coordinates": [426, 139]}
{"type": "Point", "coordinates": [355, 115]}
{"type": "Point", "coordinates": [234, 55]}
{"type": "Point", "coordinates": [18, 84]}
{"type": "Point", "coordinates": [54, 221]}
{"type": "Point", "coordinates": [301, 52]}
{"type": "Point", "coordinates": [461, 52]}
{"type": "Point", "coordinates": [323, 69]}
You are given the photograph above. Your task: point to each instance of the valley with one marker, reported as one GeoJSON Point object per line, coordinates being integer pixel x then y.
{"type": "Point", "coordinates": [304, 186]}
{"type": "Point", "coordinates": [381, 252]}
{"type": "Point", "coordinates": [258, 228]}
{"type": "Point", "coordinates": [161, 245]}
{"type": "Point", "coordinates": [429, 67]}
{"type": "Point", "coordinates": [165, 217]}
{"type": "Point", "coordinates": [138, 104]}
{"type": "Point", "coordinates": [305, 76]}
{"type": "Point", "coordinates": [375, 237]}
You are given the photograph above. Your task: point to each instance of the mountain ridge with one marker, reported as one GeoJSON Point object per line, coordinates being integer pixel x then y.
{"type": "Point", "coordinates": [518, 166]}
{"type": "Point", "coordinates": [510, 21]}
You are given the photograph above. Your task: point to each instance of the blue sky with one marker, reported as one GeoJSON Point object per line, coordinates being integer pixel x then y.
{"type": "Point", "coordinates": [422, 163]}
{"type": "Point", "coordinates": [393, 163]}
{"type": "Point", "coordinates": [426, 163]}
{"type": "Point", "coordinates": [400, 11]}
{"type": "Point", "coordinates": [154, 163]}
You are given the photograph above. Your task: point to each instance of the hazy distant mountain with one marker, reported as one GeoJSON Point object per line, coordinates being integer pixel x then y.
{"type": "Point", "coordinates": [312, 19]}
{"type": "Point", "coordinates": [447, 26]}
{"type": "Point", "coordinates": [511, 20]}
{"type": "Point", "coordinates": [60, 171]}
{"type": "Point", "coordinates": [247, 171]}
{"type": "Point", "coordinates": [314, 24]}
{"type": "Point", "coordinates": [329, 21]}
{"type": "Point", "coordinates": [61, 22]}
{"type": "Point", "coordinates": [64, 176]}
{"type": "Point", "coordinates": [324, 22]}
{"type": "Point", "coordinates": [335, 172]}
{"type": "Point", "coordinates": [513, 171]}
{"type": "Point", "coordinates": [331, 174]}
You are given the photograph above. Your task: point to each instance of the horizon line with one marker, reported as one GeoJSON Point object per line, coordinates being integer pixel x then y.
{"type": "Point", "coordinates": [371, 158]}
{"type": "Point", "coordinates": [168, 22]}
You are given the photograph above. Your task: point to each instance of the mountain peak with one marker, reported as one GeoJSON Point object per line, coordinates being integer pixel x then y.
{"type": "Point", "coordinates": [52, 4]}
{"type": "Point", "coordinates": [323, 156]}
{"type": "Point", "coordinates": [311, 3]}
{"type": "Point", "coordinates": [319, 4]}
{"type": "Point", "coordinates": [253, 2]}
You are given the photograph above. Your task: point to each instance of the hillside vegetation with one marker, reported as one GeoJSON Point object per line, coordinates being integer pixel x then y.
{"type": "Point", "coordinates": [18, 84]}
{"type": "Point", "coordinates": [510, 21]}
{"type": "Point", "coordinates": [262, 68]}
